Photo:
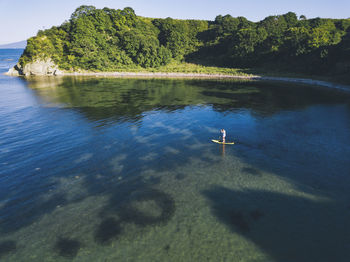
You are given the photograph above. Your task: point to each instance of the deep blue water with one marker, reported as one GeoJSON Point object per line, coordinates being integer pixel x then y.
{"type": "Point", "coordinates": [8, 58]}
{"type": "Point", "coordinates": [98, 169]}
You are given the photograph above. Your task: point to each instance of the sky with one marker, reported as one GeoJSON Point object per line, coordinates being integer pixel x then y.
{"type": "Point", "coordinates": [21, 19]}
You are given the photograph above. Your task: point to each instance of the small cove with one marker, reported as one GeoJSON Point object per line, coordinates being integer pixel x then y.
{"type": "Point", "coordinates": [108, 169]}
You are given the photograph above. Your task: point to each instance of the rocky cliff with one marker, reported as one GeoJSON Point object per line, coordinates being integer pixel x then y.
{"type": "Point", "coordinates": [38, 67]}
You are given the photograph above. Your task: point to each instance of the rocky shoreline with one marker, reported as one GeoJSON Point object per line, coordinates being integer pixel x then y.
{"type": "Point", "coordinates": [37, 68]}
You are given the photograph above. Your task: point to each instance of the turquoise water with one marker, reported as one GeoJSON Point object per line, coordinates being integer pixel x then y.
{"type": "Point", "coordinates": [96, 169]}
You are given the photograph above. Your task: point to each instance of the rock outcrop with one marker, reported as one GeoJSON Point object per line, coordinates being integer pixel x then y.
{"type": "Point", "coordinates": [14, 71]}
{"type": "Point", "coordinates": [38, 67]}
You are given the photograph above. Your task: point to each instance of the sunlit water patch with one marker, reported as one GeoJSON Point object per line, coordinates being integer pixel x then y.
{"type": "Point", "coordinates": [97, 169]}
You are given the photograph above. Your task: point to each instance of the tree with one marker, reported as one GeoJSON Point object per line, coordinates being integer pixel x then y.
{"type": "Point", "coordinates": [291, 19]}
{"type": "Point", "coordinates": [108, 39]}
{"type": "Point", "coordinates": [83, 10]}
{"type": "Point", "coordinates": [296, 41]}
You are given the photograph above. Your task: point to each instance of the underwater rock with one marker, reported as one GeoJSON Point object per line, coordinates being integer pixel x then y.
{"type": "Point", "coordinates": [107, 230]}
{"type": "Point", "coordinates": [167, 248]}
{"type": "Point", "coordinates": [165, 202]}
{"type": "Point", "coordinates": [68, 248]}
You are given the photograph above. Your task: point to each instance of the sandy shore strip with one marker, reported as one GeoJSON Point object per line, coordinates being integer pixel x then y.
{"type": "Point", "coordinates": [344, 88]}
{"type": "Point", "coordinates": [306, 81]}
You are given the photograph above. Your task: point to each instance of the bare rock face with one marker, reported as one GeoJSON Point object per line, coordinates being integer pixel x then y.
{"type": "Point", "coordinates": [13, 71]}
{"type": "Point", "coordinates": [38, 67]}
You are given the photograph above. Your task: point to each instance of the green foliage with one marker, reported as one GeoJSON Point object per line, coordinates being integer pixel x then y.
{"type": "Point", "coordinates": [228, 25]}
{"type": "Point", "coordinates": [179, 36]}
{"type": "Point", "coordinates": [245, 41]}
{"type": "Point", "coordinates": [296, 41]}
{"type": "Point", "coordinates": [291, 19]}
{"type": "Point", "coordinates": [108, 39]}
{"type": "Point", "coordinates": [38, 48]}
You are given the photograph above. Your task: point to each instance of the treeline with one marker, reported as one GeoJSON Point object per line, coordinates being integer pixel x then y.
{"type": "Point", "coordinates": [108, 39]}
{"type": "Point", "coordinates": [315, 46]}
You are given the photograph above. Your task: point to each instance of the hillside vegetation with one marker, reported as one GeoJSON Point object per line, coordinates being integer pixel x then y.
{"type": "Point", "coordinates": [111, 40]}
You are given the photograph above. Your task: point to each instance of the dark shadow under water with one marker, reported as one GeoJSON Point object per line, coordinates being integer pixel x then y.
{"type": "Point", "coordinates": [7, 247]}
{"type": "Point", "coordinates": [66, 247]}
{"type": "Point", "coordinates": [287, 228]}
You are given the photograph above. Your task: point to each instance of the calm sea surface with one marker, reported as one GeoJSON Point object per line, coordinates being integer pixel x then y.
{"type": "Point", "coordinates": [98, 169]}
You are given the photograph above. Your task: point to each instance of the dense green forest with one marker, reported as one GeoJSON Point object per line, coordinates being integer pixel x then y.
{"type": "Point", "coordinates": [108, 39]}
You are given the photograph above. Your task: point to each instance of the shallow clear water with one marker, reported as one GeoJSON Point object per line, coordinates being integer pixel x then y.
{"type": "Point", "coordinates": [96, 169]}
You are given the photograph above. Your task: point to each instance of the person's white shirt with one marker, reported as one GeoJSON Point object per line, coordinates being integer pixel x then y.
{"type": "Point", "coordinates": [223, 133]}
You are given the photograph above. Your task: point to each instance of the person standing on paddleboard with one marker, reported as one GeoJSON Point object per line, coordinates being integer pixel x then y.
{"type": "Point", "coordinates": [223, 132]}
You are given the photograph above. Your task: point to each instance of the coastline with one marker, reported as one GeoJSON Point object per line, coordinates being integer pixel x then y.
{"type": "Point", "coordinates": [306, 81]}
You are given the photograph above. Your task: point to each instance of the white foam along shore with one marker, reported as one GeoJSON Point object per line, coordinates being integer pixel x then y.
{"type": "Point", "coordinates": [306, 81]}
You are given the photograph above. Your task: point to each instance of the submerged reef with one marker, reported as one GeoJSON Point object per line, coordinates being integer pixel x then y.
{"type": "Point", "coordinates": [66, 247]}
{"type": "Point", "coordinates": [142, 207]}
{"type": "Point", "coordinates": [109, 229]}
{"type": "Point", "coordinates": [129, 213]}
